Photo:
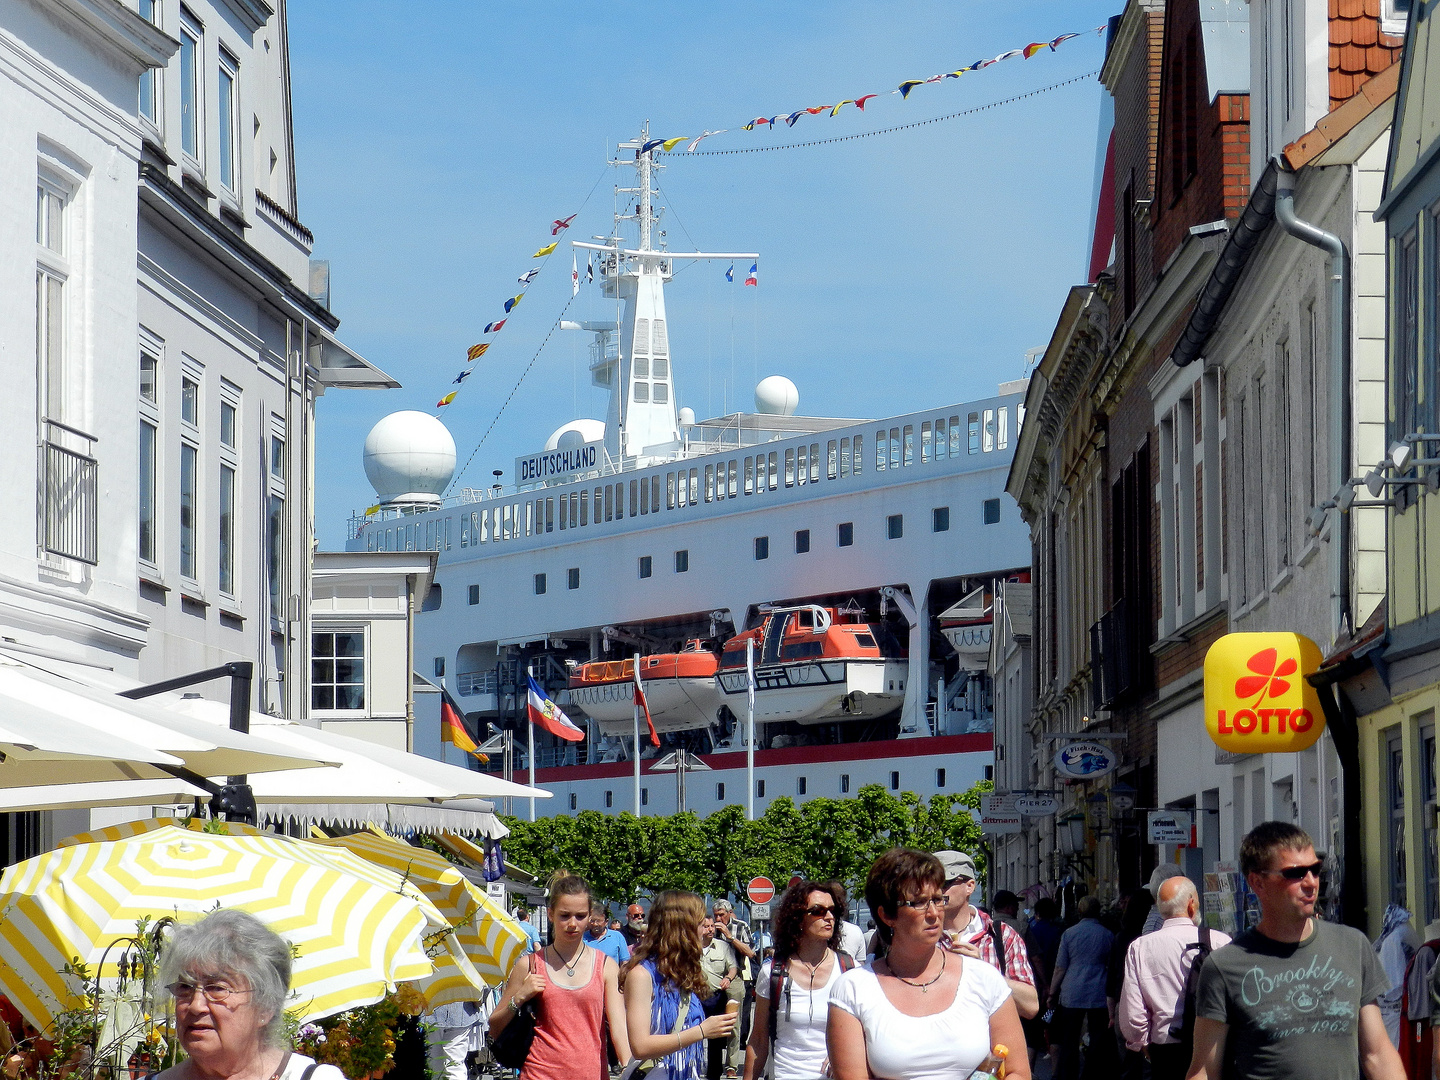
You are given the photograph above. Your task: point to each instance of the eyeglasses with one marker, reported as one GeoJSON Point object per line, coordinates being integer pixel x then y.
{"type": "Point", "coordinates": [215, 993]}
{"type": "Point", "coordinates": [815, 911]}
{"type": "Point", "coordinates": [941, 902]}
{"type": "Point", "coordinates": [1297, 873]}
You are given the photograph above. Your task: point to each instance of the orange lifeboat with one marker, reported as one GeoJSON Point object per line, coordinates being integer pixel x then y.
{"type": "Point", "coordinates": [679, 687]}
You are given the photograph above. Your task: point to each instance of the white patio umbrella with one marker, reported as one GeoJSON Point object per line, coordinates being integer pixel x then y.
{"type": "Point", "coordinates": [39, 747]}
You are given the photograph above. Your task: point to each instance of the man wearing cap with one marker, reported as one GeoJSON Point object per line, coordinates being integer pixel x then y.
{"type": "Point", "coordinates": [737, 935]}
{"type": "Point", "coordinates": [634, 928]}
{"type": "Point", "coordinates": [1164, 872]}
{"type": "Point", "coordinates": [971, 932]}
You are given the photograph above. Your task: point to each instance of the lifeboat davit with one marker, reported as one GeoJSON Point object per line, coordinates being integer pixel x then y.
{"type": "Point", "coordinates": [679, 687]}
{"type": "Point", "coordinates": [816, 664]}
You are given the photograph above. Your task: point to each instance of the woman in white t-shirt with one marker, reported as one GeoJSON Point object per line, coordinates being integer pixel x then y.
{"type": "Point", "coordinates": [918, 1012]}
{"type": "Point", "coordinates": [790, 1031]}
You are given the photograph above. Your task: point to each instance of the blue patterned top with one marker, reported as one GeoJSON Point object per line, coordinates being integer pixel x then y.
{"type": "Point", "coordinates": [687, 1063]}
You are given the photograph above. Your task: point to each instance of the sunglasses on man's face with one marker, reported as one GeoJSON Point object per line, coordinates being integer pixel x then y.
{"type": "Point", "coordinates": [816, 911]}
{"type": "Point", "coordinates": [1296, 873]}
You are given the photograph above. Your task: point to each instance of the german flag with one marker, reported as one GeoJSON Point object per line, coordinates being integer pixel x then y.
{"type": "Point", "coordinates": [456, 730]}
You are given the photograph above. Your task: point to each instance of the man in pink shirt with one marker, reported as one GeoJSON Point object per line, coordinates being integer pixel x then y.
{"type": "Point", "coordinates": [1152, 998]}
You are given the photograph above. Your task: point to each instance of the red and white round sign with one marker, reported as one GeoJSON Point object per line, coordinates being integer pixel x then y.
{"type": "Point", "coordinates": [761, 890]}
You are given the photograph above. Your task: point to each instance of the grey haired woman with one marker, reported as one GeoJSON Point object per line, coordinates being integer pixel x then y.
{"type": "Point", "coordinates": [230, 976]}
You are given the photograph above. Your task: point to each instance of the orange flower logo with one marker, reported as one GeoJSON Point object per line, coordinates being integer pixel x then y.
{"type": "Point", "coordinates": [1268, 680]}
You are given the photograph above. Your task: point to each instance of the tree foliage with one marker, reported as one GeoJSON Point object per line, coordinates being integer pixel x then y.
{"type": "Point", "coordinates": [624, 857]}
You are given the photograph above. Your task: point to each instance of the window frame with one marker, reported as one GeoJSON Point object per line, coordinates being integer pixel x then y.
{"type": "Point", "coordinates": [192, 38]}
{"type": "Point", "coordinates": [150, 11]}
{"type": "Point", "coordinates": [363, 631]}
{"type": "Point", "coordinates": [540, 584]}
{"type": "Point", "coordinates": [228, 121]}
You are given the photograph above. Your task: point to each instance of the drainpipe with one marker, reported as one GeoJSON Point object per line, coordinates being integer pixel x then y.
{"type": "Point", "coordinates": [1340, 406]}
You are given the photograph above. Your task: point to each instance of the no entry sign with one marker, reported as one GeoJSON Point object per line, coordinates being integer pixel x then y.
{"type": "Point", "coordinates": [761, 890]}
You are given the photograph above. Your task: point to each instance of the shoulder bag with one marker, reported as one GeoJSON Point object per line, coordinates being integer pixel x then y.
{"type": "Point", "coordinates": [638, 1069]}
{"type": "Point", "coordinates": [512, 1046]}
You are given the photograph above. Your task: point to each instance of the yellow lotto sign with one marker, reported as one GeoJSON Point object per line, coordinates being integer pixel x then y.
{"type": "Point", "coordinates": [1257, 700]}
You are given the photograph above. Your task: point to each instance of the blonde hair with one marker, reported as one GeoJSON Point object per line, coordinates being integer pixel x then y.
{"type": "Point", "coordinates": [672, 941]}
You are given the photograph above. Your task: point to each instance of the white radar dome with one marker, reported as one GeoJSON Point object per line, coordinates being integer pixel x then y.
{"type": "Point", "coordinates": [686, 417]}
{"type": "Point", "coordinates": [576, 433]}
{"type": "Point", "coordinates": [409, 458]}
{"type": "Point", "coordinates": [776, 396]}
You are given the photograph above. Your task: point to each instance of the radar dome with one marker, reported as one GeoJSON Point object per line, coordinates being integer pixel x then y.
{"type": "Point", "coordinates": [409, 458]}
{"type": "Point", "coordinates": [576, 433]}
{"type": "Point", "coordinates": [686, 417]}
{"type": "Point", "coordinates": [776, 396]}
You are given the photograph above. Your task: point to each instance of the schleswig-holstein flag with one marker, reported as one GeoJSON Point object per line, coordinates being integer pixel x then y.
{"type": "Point", "coordinates": [547, 714]}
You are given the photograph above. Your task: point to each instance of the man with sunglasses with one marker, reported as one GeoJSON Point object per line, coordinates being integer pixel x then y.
{"type": "Point", "coordinates": [1294, 996]}
{"type": "Point", "coordinates": [971, 932]}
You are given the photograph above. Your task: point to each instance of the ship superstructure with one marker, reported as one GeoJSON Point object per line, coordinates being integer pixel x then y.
{"type": "Point", "coordinates": [659, 535]}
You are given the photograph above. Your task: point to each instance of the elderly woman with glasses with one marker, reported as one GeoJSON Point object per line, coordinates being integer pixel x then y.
{"type": "Point", "coordinates": [230, 976]}
{"type": "Point", "coordinates": [792, 995]}
{"type": "Point", "coordinates": [918, 1012]}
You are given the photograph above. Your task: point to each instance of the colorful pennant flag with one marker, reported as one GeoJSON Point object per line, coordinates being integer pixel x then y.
{"type": "Point", "coordinates": [645, 708]}
{"type": "Point", "coordinates": [670, 144]}
{"type": "Point", "coordinates": [463, 375]}
{"type": "Point", "coordinates": [574, 275]}
{"type": "Point", "coordinates": [589, 269]}
{"type": "Point", "coordinates": [860, 101]}
{"type": "Point", "coordinates": [447, 399]}
{"type": "Point", "coordinates": [491, 328]}
{"type": "Point", "coordinates": [1034, 47]}
{"type": "Point", "coordinates": [730, 274]}
{"type": "Point", "coordinates": [908, 85]}
{"type": "Point", "coordinates": [510, 304]}
{"type": "Point", "coordinates": [477, 351]}
{"type": "Point", "coordinates": [549, 716]}
{"type": "Point", "coordinates": [561, 223]}
{"type": "Point", "coordinates": [528, 276]}
{"type": "Point", "coordinates": [646, 147]}
{"type": "Point", "coordinates": [456, 730]}
{"type": "Point", "coordinates": [847, 101]}
{"type": "Point", "coordinates": [691, 148]}
{"type": "Point", "coordinates": [546, 250]}
{"type": "Point", "coordinates": [753, 278]}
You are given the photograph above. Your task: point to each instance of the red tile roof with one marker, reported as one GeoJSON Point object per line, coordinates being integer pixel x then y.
{"type": "Point", "coordinates": [1358, 50]}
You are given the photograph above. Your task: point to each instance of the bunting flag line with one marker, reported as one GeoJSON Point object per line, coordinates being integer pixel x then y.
{"type": "Point", "coordinates": [510, 304]}
{"type": "Point", "coordinates": [546, 250]}
{"type": "Point", "coordinates": [528, 276]}
{"type": "Point", "coordinates": [574, 275]}
{"type": "Point", "coordinates": [589, 269]}
{"type": "Point", "coordinates": [753, 278]}
{"type": "Point", "coordinates": [561, 223]}
{"type": "Point", "coordinates": [730, 274]}
{"type": "Point", "coordinates": [492, 327]}
{"type": "Point", "coordinates": [464, 375]}
{"type": "Point", "coordinates": [447, 399]}
{"type": "Point", "coordinates": [906, 87]}
{"type": "Point", "coordinates": [549, 716]}
{"type": "Point", "coordinates": [477, 351]}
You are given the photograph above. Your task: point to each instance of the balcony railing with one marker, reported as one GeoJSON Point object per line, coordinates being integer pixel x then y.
{"type": "Point", "coordinates": [476, 682]}
{"type": "Point", "coordinates": [70, 491]}
{"type": "Point", "coordinates": [1110, 668]}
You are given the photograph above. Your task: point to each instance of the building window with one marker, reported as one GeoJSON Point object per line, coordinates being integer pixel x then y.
{"type": "Point", "coordinates": [992, 512]}
{"type": "Point", "coordinates": [189, 457]}
{"type": "Point", "coordinates": [895, 526]}
{"type": "Point", "coordinates": [939, 778]}
{"type": "Point", "coordinates": [609, 799]}
{"type": "Point", "coordinates": [845, 534]}
{"type": "Point", "coordinates": [189, 85]}
{"type": "Point", "coordinates": [894, 781]}
{"type": "Point", "coordinates": [720, 791]}
{"type": "Point", "coordinates": [229, 106]}
{"type": "Point", "coordinates": [439, 667]}
{"type": "Point", "coordinates": [51, 273]}
{"type": "Point", "coordinates": [147, 12]}
{"type": "Point", "coordinates": [844, 783]}
{"type": "Point", "coordinates": [274, 534]}
{"type": "Point", "coordinates": [474, 595]}
{"type": "Point", "coordinates": [572, 800]}
{"type": "Point", "coordinates": [190, 401]}
{"type": "Point", "coordinates": [227, 425]}
{"type": "Point", "coordinates": [800, 786]}
{"type": "Point", "coordinates": [762, 548]}
{"type": "Point", "coordinates": [682, 561]}
{"type": "Point", "coordinates": [644, 796]}
{"type": "Point", "coordinates": [277, 457]}
{"type": "Point", "coordinates": [989, 772]}
{"type": "Point", "coordinates": [646, 566]}
{"type": "Point", "coordinates": [149, 376]}
{"type": "Point", "coordinates": [759, 789]}
{"type": "Point", "coordinates": [148, 437]}
{"type": "Point", "coordinates": [572, 578]}
{"type": "Point", "coordinates": [539, 584]}
{"type": "Point", "coordinates": [226, 541]}
{"type": "Point", "coordinates": [802, 541]}
{"type": "Point", "coordinates": [337, 670]}
{"type": "Point", "coordinates": [940, 519]}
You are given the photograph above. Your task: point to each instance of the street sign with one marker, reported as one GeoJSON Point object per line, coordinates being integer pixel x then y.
{"type": "Point", "coordinates": [761, 890]}
{"type": "Point", "coordinates": [1168, 826]}
{"type": "Point", "coordinates": [1036, 805]}
{"type": "Point", "coordinates": [1085, 760]}
{"type": "Point", "coordinates": [759, 911]}
{"type": "Point", "coordinates": [999, 814]}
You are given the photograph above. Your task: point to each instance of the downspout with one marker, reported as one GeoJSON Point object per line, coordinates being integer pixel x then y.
{"type": "Point", "coordinates": [1341, 620]}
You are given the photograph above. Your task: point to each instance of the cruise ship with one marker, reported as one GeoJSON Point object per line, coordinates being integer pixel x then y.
{"type": "Point", "coordinates": [822, 582]}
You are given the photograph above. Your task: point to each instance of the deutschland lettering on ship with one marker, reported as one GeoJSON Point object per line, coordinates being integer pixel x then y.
{"type": "Point", "coordinates": [556, 463]}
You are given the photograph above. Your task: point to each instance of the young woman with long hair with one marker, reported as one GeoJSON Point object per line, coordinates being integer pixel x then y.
{"type": "Point", "coordinates": [578, 989]}
{"type": "Point", "coordinates": [808, 961]}
{"type": "Point", "coordinates": [664, 986]}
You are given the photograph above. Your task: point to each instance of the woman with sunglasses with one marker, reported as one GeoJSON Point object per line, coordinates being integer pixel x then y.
{"type": "Point", "coordinates": [792, 995]}
{"type": "Point", "coordinates": [918, 1012]}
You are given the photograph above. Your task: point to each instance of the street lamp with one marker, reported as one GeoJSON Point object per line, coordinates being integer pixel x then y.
{"type": "Point", "coordinates": [1122, 800]}
{"type": "Point", "coordinates": [1070, 833]}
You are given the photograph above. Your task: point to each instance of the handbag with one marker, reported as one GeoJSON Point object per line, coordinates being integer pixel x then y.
{"type": "Point", "coordinates": [512, 1046]}
{"type": "Point", "coordinates": [639, 1069]}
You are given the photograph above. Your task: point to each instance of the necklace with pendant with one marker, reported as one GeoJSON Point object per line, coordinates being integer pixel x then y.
{"type": "Point", "coordinates": [924, 987]}
{"type": "Point", "coordinates": [569, 968]}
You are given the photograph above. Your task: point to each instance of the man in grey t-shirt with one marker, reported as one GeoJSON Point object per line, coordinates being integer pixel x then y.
{"type": "Point", "coordinates": [1295, 996]}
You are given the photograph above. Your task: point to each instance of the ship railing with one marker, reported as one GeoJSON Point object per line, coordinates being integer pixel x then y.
{"type": "Point", "coordinates": [476, 682]}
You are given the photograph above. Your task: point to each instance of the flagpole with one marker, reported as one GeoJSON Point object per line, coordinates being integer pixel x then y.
{"type": "Point", "coordinates": [530, 730]}
{"type": "Point", "coordinates": [637, 735]}
{"type": "Point", "coordinates": [750, 729]}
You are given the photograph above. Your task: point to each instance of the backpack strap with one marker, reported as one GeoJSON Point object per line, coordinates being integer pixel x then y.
{"type": "Point", "coordinates": [997, 935]}
{"type": "Point", "coordinates": [846, 961]}
{"type": "Point", "coordinates": [778, 972]}
{"type": "Point", "coordinates": [309, 1070]}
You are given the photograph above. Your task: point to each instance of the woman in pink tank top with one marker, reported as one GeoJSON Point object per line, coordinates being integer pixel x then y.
{"type": "Point", "coordinates": [578, 990]}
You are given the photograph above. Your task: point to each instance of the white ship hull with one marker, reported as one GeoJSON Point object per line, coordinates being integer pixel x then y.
{"type": "Point", "coordinates": [677, 704]}
{"type": "Point", "coordinates": [815, 692]}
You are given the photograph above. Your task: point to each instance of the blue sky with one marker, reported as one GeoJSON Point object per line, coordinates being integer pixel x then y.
{"type": "Point", "coordinates": [436, 142]}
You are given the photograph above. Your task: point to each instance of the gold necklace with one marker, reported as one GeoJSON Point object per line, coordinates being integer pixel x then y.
{"type": "Point", "coordinates": [924, 987]}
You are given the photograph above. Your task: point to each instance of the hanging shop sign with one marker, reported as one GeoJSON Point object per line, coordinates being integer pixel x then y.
{"type": "Point", "coordinates": [1169, 827]}
{"type": "Point", "coordinates": [1085, 760]}
{"type": "Point", "coordinates": [999, 814]}
{"type": "Point", "coordinates": [1257, 697]}
{"type": "Point", "coordinates": [1037, 805]}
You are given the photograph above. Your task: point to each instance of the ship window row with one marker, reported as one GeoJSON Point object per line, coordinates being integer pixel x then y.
{"type": "Point", "coordinates": [981, 432]}
{"type": "Point", "coordinates": [802, 787]}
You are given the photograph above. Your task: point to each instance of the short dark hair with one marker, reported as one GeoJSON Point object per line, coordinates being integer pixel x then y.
{"type": "Point", "coordinates": [1264, 840]}
{"type": "Point", "coordinates": [896, 874]}
{"type": "Point", "coordinates": [1088, 907]}
{"type": "Point", "coordinates": [790, 915]}
{"type": "Point", "coordinates": [1047, 908]}
{"type": "Point", "coordinates": [1005, 900]}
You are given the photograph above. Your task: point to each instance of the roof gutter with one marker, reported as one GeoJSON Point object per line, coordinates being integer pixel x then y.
{"type": "Point", "coordinates": [1244, 238]}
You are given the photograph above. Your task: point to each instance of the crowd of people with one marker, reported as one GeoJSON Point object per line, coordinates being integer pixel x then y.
{"type": "Point", "coordinates": [939, 992]}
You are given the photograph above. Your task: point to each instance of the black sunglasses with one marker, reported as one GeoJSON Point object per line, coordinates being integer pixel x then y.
{"type": "Point", "coordinates": [815, 911]}
{"type": "Point", "coordinates": [1297, 873]}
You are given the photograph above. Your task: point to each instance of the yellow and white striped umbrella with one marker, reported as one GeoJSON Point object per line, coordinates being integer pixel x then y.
{"type": "Point", "coordinates": [355, 935]}
{"type": "Point", "coordinates": [489, 937]}
{"type": "Point", "coordinates": [127, 829]}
